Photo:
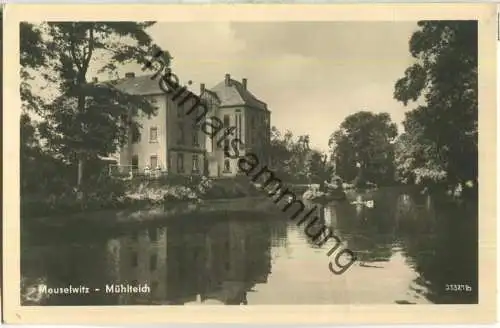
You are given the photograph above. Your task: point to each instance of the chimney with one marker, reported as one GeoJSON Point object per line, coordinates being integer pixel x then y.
{"type": "Point", "coordinates": [244, 82]}
{"type": "Point", "coordinates": [202, 87]}
{"type": "Point", "coordinates": [95, 80]}
{"type": "Point", "coordinates": [228, 79]}
{"type": "Point", "coordinates": [129, 75]}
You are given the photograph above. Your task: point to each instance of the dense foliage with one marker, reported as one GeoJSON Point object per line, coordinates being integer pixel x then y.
{"type": "Point", "coordinates": [440, 142]}
{"type": "Point", "coordinates": [363, 148]}
{"type": "Point", "coordinates": [293, 160]}
{"type": "Point", "coordinates": [79, 121]}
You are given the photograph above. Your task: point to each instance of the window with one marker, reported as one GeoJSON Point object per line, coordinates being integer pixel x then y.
{"type": "Point", "coordinates": [196, 167]}
{"type": "Point", "coordinates": [227, 166]}
{"type": "Point", "coordinates": [135, 260]}
{"type": "Point", "coordinates": [226, 121]}
{"type": "Point", "coordinates": [179, 111]}
{"type": "Point", "coordinates": [253, 127]}
{"type": "Point", "coordinates": [238, 123]}
{"type": "Point", "coordinates": [196, 141]}
{"type": "Point", "coordinates": [153, 134]}
{"type": "Point", "coordinates": [226, 148]}
{"type": "Point", "coordinates": [136, 136]}
{"type": "Point", "coordinates": [153, 162]}
{"type": "Point", "coordinates": [153, 235]}
{"type": "Point", "coordinates": [154, 287]}
{"type": "Point", "coordinates": [153, 262]}
{"type": "Point", "coordinates": [180, 139]}
{"type": "Point", "coordinates": [135, 162]}
{"type": "Point", "coordinates": [180, 163]}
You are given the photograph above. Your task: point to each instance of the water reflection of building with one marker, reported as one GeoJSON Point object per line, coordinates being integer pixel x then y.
{"type": "Point", "coordinates": [279, 235]}
{"type": "Point", "coordinates": [183, 263]}
{"type": "Point", "coordinates": [246, 257]}
{"type": "Point", "coordinates": [140, 258]}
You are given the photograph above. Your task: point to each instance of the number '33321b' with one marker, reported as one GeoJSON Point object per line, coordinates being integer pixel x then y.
{"type": "Point", "coordinates": [458, 288]}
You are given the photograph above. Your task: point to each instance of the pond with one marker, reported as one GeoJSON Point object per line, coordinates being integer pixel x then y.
{"type": "Point", "coordinates": [410, 249]}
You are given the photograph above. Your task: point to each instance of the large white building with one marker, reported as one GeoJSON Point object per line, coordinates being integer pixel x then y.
{"type": "Point", "coordinates": [172, 142]}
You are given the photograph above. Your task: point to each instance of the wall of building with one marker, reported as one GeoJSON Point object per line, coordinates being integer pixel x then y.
{"type": "Point", "coordinates": [218, 164]}
{"type": "Point", "coordinates": [258, 132]}
{"type": "Point", "coordinates": [182, 129]}
{"type": "Point", "coordinates": [146, 147]}
{"type": "Point", "coordinates": [252, 128]}
{"type": "Point", "coordinates": [174, 147]}
{"type": "Point", "coordinates": [141, 259]}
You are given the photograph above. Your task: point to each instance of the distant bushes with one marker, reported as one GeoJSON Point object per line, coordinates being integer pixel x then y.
{"type": "Point", "coordinates": [226, 188]}
{"type": "Point", "coordinates": [104, 192]}
{"type": "Point", "coordinates": [96, 194]}
{"type": "Point", "coordinates": [181, 188]}
{"type": "Point", "coordinates": [155, 193]}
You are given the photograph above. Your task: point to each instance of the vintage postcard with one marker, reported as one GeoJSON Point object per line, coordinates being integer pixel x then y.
{"type": "Point", "coordinates": [249, 163]}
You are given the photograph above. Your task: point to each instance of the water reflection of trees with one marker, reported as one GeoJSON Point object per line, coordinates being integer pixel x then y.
{"type": "Point", "coordinates": [368, 232]}
{"type": "Point", "coordinates": [62, 266]}
{"type": "Point", "coordinates": [440, 241]}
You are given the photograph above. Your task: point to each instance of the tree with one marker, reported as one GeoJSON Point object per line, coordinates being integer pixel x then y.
{"type": "Point", "coordinates": [317, 167]}
{"type": "Point", "coordinates": [366, 140]}
{"type": "Point", "coordinates": [442, 133]}
{"type": "Point", "coordinates": [293, 159]}
{"type": "Point", "coordinates": [86, 119]}
{"type": "Point", "coordinates": [33, 56]}
{"type": "Point", "coordinates": [36, 165]}
{"type": "Point", "coordinates": [278, 149]}
{"type": "Point", "coordinates": [417, 160]}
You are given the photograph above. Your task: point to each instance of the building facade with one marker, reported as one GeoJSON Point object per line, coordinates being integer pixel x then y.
{"type": "Point", "coordinates": [169, 142]}
{"type": "Point", "coordinates": [235, 106]}
{"type": "Point", "coordinates": [172, 141]}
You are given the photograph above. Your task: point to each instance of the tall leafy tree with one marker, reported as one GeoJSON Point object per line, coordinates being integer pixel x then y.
{"type": "Point", "coordinates": [279, 149]}
{"type": "Point", "coordinates": [36, 165]}
{"type": "Point", "coordinates": [440, 140]}
{"type": "Point", "coordinates": [91, 119]}
{"type": "Point", "coordinates": [363, 148]}
{"type": "Point", "coordinates": [293, 159]}
{"type": "Point", "coordinates": [317, 167]}
{"type": "Point", "coordinates": [33, 56]}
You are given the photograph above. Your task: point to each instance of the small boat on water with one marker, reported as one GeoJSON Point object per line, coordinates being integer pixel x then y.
{"type": "Point", "coordinates": [360, 201]}
{"type": "Point", "coordinates": [322, 196]}
{"type": "Point", "coordinates": [328, 197]}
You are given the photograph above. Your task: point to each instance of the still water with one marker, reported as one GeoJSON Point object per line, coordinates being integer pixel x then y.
{"type": "Point", "coordinates": [409, 248]}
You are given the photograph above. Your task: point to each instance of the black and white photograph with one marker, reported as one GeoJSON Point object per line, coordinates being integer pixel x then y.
{"type": "Point", "coordinates": [228, 162]}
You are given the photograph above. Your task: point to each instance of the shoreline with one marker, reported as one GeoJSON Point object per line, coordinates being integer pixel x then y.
{"type": "Point", "coordinates": [147, 213]}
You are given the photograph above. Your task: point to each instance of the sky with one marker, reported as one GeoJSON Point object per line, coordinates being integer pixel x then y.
{"type": "Point", "coordinates": [311, 74]}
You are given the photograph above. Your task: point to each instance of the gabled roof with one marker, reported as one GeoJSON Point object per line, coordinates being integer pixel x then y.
{"type": "Point", "coordinates": [235, 94]}
{"type": "Point", "coordinates": [208, 93]}
{"type": "Point", "coordinates": [139, 85]}
{"type": "Point", "coordinates": [228, 95]}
